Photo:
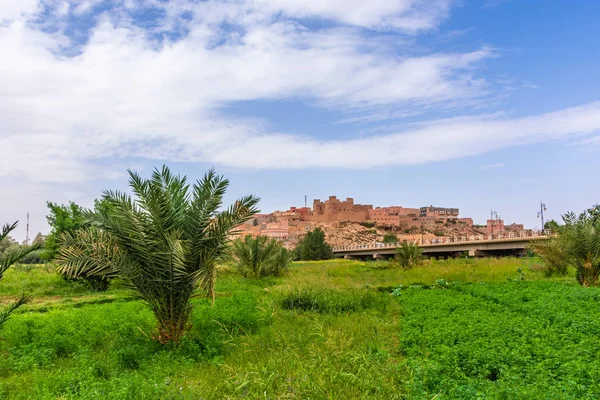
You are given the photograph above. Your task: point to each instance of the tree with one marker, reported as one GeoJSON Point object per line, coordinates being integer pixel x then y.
{"type": "Point", "coordinates": [165, 242]}
{"type": "Point", "coordinates": [550, 251]}
{"type": "Point", "coordinates": [9, 259]}
{"type": "Point", "coordinates": [67, 219]}
{"type": "Point", "coordinates": [62, 218]}
{"type": "Point", "coordinates": [576, 244]}
{"type": "Point", "coordinates": [87, 256]}
{"type": "Point", "coordinates": [40, 239]}
{"type": "Point", "coordinates": [409, 255]}
{"type": "Point", "coordinates": [313, 247]}
{"type": "Point", "coordinates": [6, 243]}
{"type": "Point", "coordinates": [552, 226]}
{"type": "Point", "coordinates": [259, 257]}
{"type": "Point", "coordinates": [390, 238]}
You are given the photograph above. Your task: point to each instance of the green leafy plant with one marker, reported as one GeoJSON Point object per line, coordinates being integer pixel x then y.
{"type": "Point", "coordinates": [8, 260]}
{"type": "Point", "coordinates": [390, 238]}
{"type": "Point", "coordinates": [313, 247]}
{"type": "Point", "coordinates": [576, 244]}
{"type": "Point", "coordinates": [551, 253]}
{"type": "Point", "coordinates": [259, 257]}
{"type": "Point", "coordinates": [165, 242]}
{"type": "Point", "coordinates": [441, 284]}
{"type": "Point", "coordinates": [519, 278]}
{"type": "Point", "coordinates": [88, 256]}
{"type": "Point", "coordinates": [408, 255]}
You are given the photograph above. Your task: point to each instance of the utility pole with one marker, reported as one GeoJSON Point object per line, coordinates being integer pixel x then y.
{"type": "Point", "coordinates": [305, 202]}
{"type": "Point", "coordinates": [27, 232]}
{"type": "Point", "coordinates": [540, 213]}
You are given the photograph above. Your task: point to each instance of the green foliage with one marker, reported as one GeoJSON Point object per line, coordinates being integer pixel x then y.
{"type": "Point", "coordinates": [390, 238]}
{"type": "Point", "coordinates": [7, 261]}
{"type": "Point", "coordinates": [6, 243]}
{"type": "Point", "coordinates": [409, 255]}
{"type": "Point", "coordinates": [367, 224]}
{"type": "Point", "coordinates": [32, 257]}
{"type": "Point", "coordinates": [576, 244]}
{"type": "Point", "coordinates": [552, 226]}
{"type": "Point", "coordinates": [550, 251]}
{"type": "Point", "coordinates": [342, 336]}
{"type": "Point", "coordinates": [593, 213]}
{"type": "Point", "coordinates": [313, 247]}
{"type": "Point", "coordinates": [88, 255]}
{"type": "Point", "coordinates": [502, 341]}
{"type": "Point", "coordinates": [327, 301]}
{"type": "Point", "coordinates": [62, 219]}
{"type": "Point", "coordinates": [165, 242]}
{"type": "Point", "coordinates": [259, 257]}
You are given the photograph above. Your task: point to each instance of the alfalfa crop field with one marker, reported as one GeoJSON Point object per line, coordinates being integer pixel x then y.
{"type": "Point", "coordinates": [337, 329]}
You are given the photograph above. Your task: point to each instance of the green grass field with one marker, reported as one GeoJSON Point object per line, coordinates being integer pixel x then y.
{"type": "Point", "coordinates": [326, 330]}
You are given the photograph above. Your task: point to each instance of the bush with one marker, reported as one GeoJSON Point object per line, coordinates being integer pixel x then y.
{"type": "Point", "coordinates": [327, 301]}
{"type": "Point", "coordinates": [408, 255]}
{"type": "Point", "coordinates": [313, 247]}
{"type": "Point", "coordinates": [367, 224]}
{"type": "Point", "coordinates": [259, 257]}
{"type": "Point", "coordinates": [390, 238]}
{"type": "Point", "coordinates": [576, 244]}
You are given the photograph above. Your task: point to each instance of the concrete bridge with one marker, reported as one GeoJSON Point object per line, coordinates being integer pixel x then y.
{"type": "Point", "coordinates": [477, 246]}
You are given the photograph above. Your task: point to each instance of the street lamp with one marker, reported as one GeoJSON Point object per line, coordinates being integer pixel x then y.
{"type": "Point", "coordinates": [540, 214]}
{"type": "Point", "coordinates": [493, 218]}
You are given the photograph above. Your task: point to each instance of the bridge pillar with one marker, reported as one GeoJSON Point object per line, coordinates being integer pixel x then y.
{"type": "Point", "coordinates": [377, 256]}
{"type": "Point", "coordinates": [477, 253]}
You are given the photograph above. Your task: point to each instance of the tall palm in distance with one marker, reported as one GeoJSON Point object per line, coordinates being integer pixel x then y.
{"type": "Point", "coordinates": [165, 242]}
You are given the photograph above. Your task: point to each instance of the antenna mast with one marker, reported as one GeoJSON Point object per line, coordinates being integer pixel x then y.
{"type": "Point", "coordinates": [305, 203]}
{"type": "Point", "coordinates": [27, 232]}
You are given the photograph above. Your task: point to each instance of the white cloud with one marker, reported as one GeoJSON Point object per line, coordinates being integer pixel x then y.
{"type": "Point", "coordinates": [11, 10]}
{"type": "Point", "coordinates": [407, 15]}
{"type": "Point", "coordinates": [126, 95]}
{"type": "Point", "coordinates": [67, 106]}
{"type": "Point", "coordinates": [490, 166]}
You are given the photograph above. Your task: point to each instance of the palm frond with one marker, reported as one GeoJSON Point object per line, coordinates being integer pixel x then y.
{"type": "Point", "coordinates": [7, 229]}
{"type": "Point", "coordinates": [4, 316]}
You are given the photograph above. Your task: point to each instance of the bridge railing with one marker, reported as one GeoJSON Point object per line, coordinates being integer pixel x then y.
{"type": "Point", "coordinates": [446, 239]}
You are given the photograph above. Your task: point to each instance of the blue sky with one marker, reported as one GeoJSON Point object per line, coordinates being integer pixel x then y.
{"type": "Point", "coordinates": [471, 104]}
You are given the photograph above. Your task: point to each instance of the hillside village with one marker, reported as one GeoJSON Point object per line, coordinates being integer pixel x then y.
{"type": "Point", "coordinates": [346, 223]}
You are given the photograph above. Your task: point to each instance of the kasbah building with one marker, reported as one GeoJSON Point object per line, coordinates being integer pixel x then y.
{"type": "Point", "coordinates": [334, 216]}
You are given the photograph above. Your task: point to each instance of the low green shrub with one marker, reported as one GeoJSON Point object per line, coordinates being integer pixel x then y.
{"type": "Point", "coordinates": [328, 301]}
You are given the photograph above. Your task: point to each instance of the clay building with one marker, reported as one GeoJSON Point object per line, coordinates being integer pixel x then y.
{"type": "Point", "coordinates": [494, 226]}
{"type": "Point", "coordinates": [333, 210]}
{"type": "Point", "coordinates": [438, 212]}
{"type": "Point", "coordinates": [390, 216]}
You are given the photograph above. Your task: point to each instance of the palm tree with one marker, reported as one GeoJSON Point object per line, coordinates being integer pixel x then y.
{"type": "Point", "coordinates": [89, 255]}
{"type": "Point", "coordinates": [408, 255]}
{"type": "Point", "coordinates": [550, 251]}
{"type": "Point", "coordinates": [260, 256]}
{"type": "Point", "coordinates": [282, 261]}
{"type": "Point", "coordinates": [576, 244]}
{"type": "Point", "coordinates": [166, 242]}
{"type": "Point", "coordinates": [7, 261]}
